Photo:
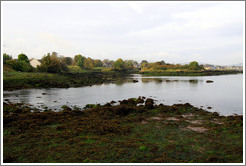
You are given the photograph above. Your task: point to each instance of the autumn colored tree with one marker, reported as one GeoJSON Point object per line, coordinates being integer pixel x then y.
{"type": "Point", "coordinates": [119, 65]}
{"type": "Point", "coordinates": [128, 64]}
{"type": "Point", "coordinates": [51, 63]}
{"type": "Point", "coordinates": [144, 63]}
{"type": "Point", "coordinates": [88, 63]}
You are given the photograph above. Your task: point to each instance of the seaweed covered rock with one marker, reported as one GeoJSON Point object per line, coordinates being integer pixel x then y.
{"type": "Point", "coordinates": [140, 100]}
{"type": "Point", "coordinates": [131, 102]}
{"type": "Point", "coordinates": [121, 110]}
{"type": "Point", "coordinates": [149, 103]}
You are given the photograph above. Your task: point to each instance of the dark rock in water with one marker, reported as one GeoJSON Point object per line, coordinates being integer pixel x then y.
{"type": "Point", "coordinates": [44, 93]}
{"type": "Point", "coordinates": [54, 101]}
{"type": "Point", "coordinates": [188, 105]}
{"type": "Point", "coordinates": [130, 101]}
{"type": "Point", "coordinates": [149, 100]}
{"type": "Point", "coordinates": [149, 105]}
{"type": "Point", "coordinates": [209, 81]}
{"type": "Point", "coordinates": [38, 97]}
{"type": "Point", "coordinates": [216, 114]}
{"type": "Point", "coordinates": [66, 108]}
{"type": "Point", "coordinates": [112, 102]}
{"type": "Point", "coordinates": [209, 107]}
{"type": "Point", "coordinates": [107, 105]}
{"type": "Point", "coordinates": [140, 100]}
{"type": "Point", "coordinates": [193, 81]}
{"type": "Point", "coordinates": [134, 81]}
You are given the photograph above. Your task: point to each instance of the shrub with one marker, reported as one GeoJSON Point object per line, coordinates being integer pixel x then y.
{"type": "Point", "coordinates": [19, 65]}
{"type": "Point", "coordinates": [6, 57]}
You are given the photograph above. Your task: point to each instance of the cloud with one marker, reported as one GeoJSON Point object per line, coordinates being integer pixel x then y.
{"type": "Point", "coordinates": [170, 31]}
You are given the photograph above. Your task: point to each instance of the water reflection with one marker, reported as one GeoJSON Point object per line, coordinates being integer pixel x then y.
{"type": "Point", "coordinates": [225, 94]}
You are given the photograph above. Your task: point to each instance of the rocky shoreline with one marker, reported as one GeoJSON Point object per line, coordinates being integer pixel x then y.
{"type": "Point", "coordinates": [136, 130]}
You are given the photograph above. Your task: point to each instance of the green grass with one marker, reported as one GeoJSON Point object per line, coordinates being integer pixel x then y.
{"type": "Point", "coordinates": [76, 78]}
{"type": "Point", "coordinates": [76, 69]}
{"type": "Point", "coordinates": [189, 73]}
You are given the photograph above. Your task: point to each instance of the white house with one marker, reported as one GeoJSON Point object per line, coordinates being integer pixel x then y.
{"type": "Point", "coordinates": [34, 62]}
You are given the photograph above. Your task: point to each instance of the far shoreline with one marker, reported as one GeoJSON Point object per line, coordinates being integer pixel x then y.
{"type": "Point", "coordinates": [13, 80]}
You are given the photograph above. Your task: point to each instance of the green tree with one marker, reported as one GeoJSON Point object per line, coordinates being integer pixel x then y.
{"type": "Point", "coordinates": [194, 65]}
{"type": "Point", "coordinates": [79, 60]}
{"type": "Point", "coordinates": [98, 63]}
{"type": "Point", "coordinates": [6, 57]}
{"type": "Point", "coordinates": [119, 65]}
{"type": "Point", "coordinates": [23, 57]}
{"type": "Point", "coordinates": [67, 60]}
{"type": "Point", "coordinates": [88, 63]}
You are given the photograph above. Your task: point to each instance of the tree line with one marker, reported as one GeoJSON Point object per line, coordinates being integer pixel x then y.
{"type": "Point", "coordinates": [53, 63]}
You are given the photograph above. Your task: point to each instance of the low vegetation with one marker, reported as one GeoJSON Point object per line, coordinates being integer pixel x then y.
{"type": "Point", "coordinates": [134, 131]}
{"type": "Point", "coordinates": [63, 72]}
{"type": "Point", "coordinates": [190, 73]}
{"type": "Point", "coordinates": [13, 80]}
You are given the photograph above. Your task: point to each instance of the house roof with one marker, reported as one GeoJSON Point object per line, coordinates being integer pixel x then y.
{"type": "Point", "coordinates": [36, 59]}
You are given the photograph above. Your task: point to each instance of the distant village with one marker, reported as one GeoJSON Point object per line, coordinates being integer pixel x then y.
{"type": "Point", "coordinates": [217, 67]}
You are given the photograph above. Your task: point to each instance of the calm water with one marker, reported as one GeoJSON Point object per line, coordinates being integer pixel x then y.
{"type": "Point", "coordinates": [224, 95]}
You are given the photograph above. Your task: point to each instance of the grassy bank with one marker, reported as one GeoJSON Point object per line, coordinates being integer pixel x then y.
{"type": "Point", "coordinates": [190, 73]}
{"type": "Point", "coordinates": [18, 80]}
{"type": "Point", "coordinates": [124, 133]}
{"type": "Point", "coordinates": [77, 77]}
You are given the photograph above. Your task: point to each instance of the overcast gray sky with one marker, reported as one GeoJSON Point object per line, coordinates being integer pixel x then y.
{"type": "Point", "coordinates": [176, 32]}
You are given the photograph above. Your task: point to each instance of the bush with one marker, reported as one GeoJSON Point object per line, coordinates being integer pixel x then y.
{"type": "Point", "coordinates": [19, 65]}
{"type": "Point", "coordinates": [6, 57]}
